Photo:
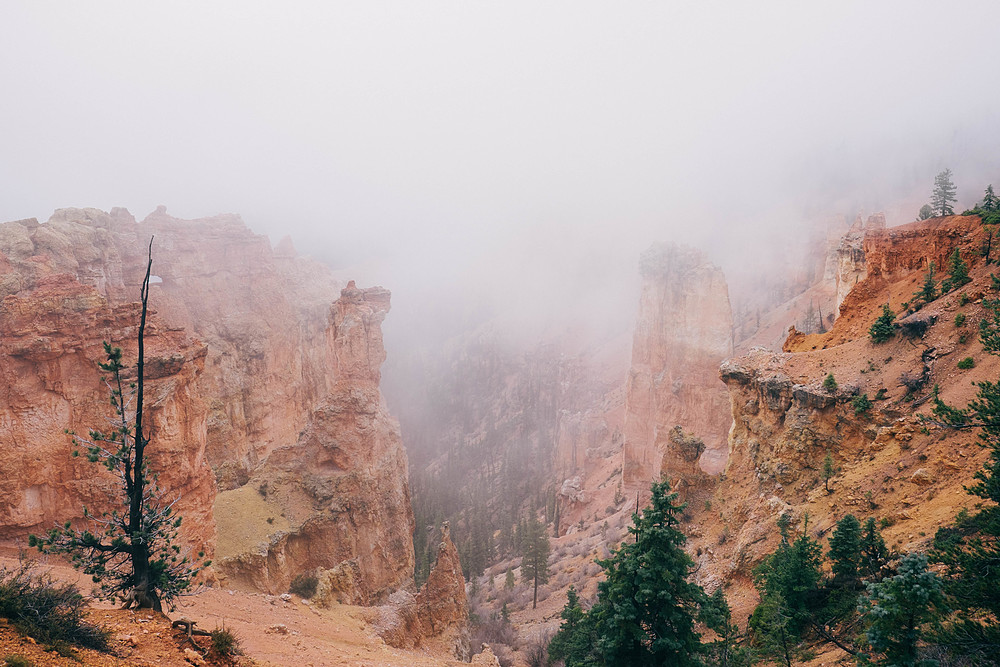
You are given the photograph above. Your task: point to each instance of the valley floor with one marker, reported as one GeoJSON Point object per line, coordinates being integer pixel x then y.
{"type": "Point", "coordinates": [273, 632]}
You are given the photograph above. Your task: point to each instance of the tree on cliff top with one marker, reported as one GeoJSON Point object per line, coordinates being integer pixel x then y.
{"type": "Point", "coordinates": [130, 555]}
{"type": "Point", "coordinates": [944, 193]}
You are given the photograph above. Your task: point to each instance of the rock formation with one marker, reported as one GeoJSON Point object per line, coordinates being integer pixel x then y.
{"type": "Point", "coordinates": [341, 491]}
{"type": "Point", "coordinates": [245, 359]}
{"type": "Point", "coordinates": [850, 267]}
{"type": "Point", "coordinates": [684, 328]}
{"type": "Point", "coordinates": [67, 286]}
{"type": "Point", "coordinates": [439, 609]}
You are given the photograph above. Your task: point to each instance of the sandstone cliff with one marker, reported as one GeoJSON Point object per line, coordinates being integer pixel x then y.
{"type": "Point", "coordinates": [66, 287]}
{"type": "Point", "coordinates": [684, 328]}
{"type": "Point", "coordinates": [888, 464]}
{"type": "Point", "coordinates": [337, 501]}
{"type": "Point", "coordinates": [245, 358]}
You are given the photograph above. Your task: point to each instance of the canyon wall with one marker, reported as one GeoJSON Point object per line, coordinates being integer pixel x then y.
{"type": "Point", "coordinates": [340, 491]}
{"type": "Point", "coordinates": [245, 359]}
{"type": "Point", "coordinates": [888, 464]}
{"type": "Point", "coordinates": [683, 331]}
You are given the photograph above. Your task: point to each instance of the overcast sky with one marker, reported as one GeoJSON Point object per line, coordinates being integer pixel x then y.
{"type": "Point", "coordinates": [439, 139]}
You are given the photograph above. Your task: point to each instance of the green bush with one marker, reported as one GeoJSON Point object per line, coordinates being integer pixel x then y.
{"type": "Point", "coordinates": [830, 383]}
{"type": "Point", "coordinates": [960, 319]}
{"type": "Point", "coordinates": [51, 613]}
{"type": "Point", "coordinates": [883, 329]}
{"type": "Point", "coordinates": [304, 585]}
{"type": "Point", "coordinates": [225, 643]}
{"type": "Point", "coordinates": [881, 394]}
{"type": "Point", "coordinates": [861, 404]}
{"type": "Point", "coordinates": [966, 364]}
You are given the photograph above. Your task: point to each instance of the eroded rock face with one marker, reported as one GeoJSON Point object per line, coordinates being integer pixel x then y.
{"type": "Point", "coordinates": [342, 488]}
{"type": "Point", "coordinates": [851, 265]}
{"type": "Point", "coordinates": [67, 286]}
{"type": "Point", "coordinates": [684, 328]}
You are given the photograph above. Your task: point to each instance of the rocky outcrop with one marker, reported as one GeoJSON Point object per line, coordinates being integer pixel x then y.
{"type": "Point", "coordinates": [684, 328]}
{"type": "Point", "coordinates": [67, 286]}
{"type": "Point", "coordinates": [341, 491]}
{"type": "Point", "coordinates": [440, 607]}
{"type": "Point", "coordinates": [850, 265]}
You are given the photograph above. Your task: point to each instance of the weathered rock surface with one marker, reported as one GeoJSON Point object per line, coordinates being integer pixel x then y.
{"type": "Point", "coordinates": [342, 489]}
{"type": "Point", "coordinates": [684, 328]}
{"type": "Point", "coordinates": [67, 286]}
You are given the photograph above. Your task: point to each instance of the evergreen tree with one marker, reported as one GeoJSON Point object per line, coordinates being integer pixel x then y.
{"type": "Point", "coordinates": [725, 651]}
{"type": "Point", "coordinates": [574, 642]}
{"type": "Point", "coordinates": [990, 201]}
{"type": "Point", "coordinates": [830, 383]}
{"type": "Point", "coordinates": [958, 273]}
{"type": "Point", "coordinates": [793, 573]}
{"type": "Point", "coordinates": [535, 555]}
{"type": "Point", "coordinates": [770, 623]}
{"type": "Point", "coordinates": [646, 608]}
{"type": "Point", "coordinates": [508, 582]}
{"type": "Point", "coordinates": [943, 195]}
{"type": "Point", "coordinates": [896, 608]}
{"type": "Point", "coordinates": [874, 553]}
{"type": "Point", "coordinates": [928, 292]}
{"type": "Point", "coordinates": [828, 471]}
{"type": "Point", "coordinates": [845, 551]}
{"type": "Point", "coordinates": [132, 555]}
{"type": "Point", "coordinates": [883, 329]}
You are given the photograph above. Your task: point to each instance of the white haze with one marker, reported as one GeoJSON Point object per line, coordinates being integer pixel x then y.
{"type": "Point", "coordinates": [469, 154]}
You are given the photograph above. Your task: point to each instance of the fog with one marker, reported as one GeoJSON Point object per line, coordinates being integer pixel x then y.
{"type": "Point", "coordinates": [477, 157]}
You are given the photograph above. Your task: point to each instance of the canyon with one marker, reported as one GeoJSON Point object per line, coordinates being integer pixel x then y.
{"type": "Point", "coordinates": [270, 427]}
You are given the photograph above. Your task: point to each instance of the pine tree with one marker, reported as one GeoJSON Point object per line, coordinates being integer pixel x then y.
{"type": "Point", "coordinates": [958, 273]}
{"type": "Point", "coordinates": [828, 471]}
{"type": "Point", "coordinates": [896, 608]}
{"type": "Point", "coordinates": [132, 555]}
{"type": "Point", "coordinates": [792, 572]}
{"type": "Point", "coordinates": [830, 383]}
{"type": "Point", "coordinates": [990, 201]}
{"type": "Point", "coordinates": [928, 292]}
{"type": "Point", "coordinates": [845, 552]}
{"type": "Point", "coordinates": [943, 195]}
{"type": "Point", "coordinates": [883, 329]}
{"type": "Point", "coordinates": [646, 608]}
{"type": "Point", "coordinates": [874, 553]}
{"type": "Point", "coordinates": [535, 555]}
{"type": "Point", "coordinates": [508, 582]}
{"type": "Point", "coordinates": [574, 642]}
{"type": "Point", "coordinates": [770, 623]}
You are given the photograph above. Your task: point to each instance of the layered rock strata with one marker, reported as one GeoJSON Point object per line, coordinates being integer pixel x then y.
{"type": "Point", "coordinates": [337, 501]}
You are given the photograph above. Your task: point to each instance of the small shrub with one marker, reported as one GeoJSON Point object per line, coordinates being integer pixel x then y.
{"type": "Point", "coordinates": [960, 319]}
{"type": "Point", "coordinates": [963, 299]}
{"type": "Point", "coordinates": [962, 339]}
{"type": "Point", "coordinates": [861, 404]}
{"type": "Point", "coordinates": [881, 394]}
{"type": "Point", "coordinates": [225, 643]}
{"type": "Point", "coordinates": [50, 613]}
{"type": "Point", "coordinates": [304, 585]}
{"type": "Point", "coordinates": [830, 383]}
{"type": "Point", "coordinates": [883, 329]}
{"type": "Point", "coordinates": [966, 364]}
{"type": "Point", "coordinates": [15, 660]}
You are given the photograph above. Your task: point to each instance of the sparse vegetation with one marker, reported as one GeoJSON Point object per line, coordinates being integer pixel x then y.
{"type": "Point", "coordinates": [49, 612]}
{"type": "Point", "coordinates": [830, 383]}
{"type": "Point", "coordinates": [225, 644]}
{"type": "Point", "coordinates": [15, 660]}
{"type": "Point", "coordinates": [861, 404]}
{"type": "Point", "coordinates": [883, 329]}
{"type": "Point", "coordinates": [958, 273]}
{"type": "Point", "coordinates": [828, 471]}
{"type": "Point", "coordinates": [881, 394]}
{"type": "Point", "coordinates": [960, 319]}
{"type": "Point", "coordinates": [966, 363]}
